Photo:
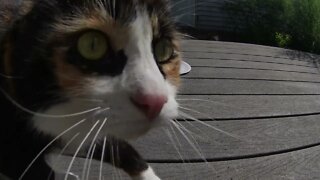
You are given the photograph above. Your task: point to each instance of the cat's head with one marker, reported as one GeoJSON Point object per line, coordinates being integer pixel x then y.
{"type": "Point", "coordinates": [120, 57]}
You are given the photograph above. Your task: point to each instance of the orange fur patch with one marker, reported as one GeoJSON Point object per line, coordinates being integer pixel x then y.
{"type": "Point", "coordinates": [172, 69]}
{"type": "Point", "coordinates": [68, 76]}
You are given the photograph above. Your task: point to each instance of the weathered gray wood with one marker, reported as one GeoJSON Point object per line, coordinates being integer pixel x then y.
{"type": "Point", "coordinates": [235, 107]}
{"type": "Point", "coordinates": [252, 49]}
{"type": "Point", "coordinates": [219, 86]}
{"type": "Point", "coordinates": [265, 63]}
{"type": "Point", "coordinates": [244, 57]}
{"type": "Point", "coordinates": [256, 137]}
{"type": "Point", "coordinates": [238, 73]}
{"type": "Point", "coordinates": [302, 164]}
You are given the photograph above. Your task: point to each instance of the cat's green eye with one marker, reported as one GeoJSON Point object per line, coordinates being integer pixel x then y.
{"type": "Point", "coordinates": [92, 45]}
{"type": "Point", "coordinates": [163, 50]}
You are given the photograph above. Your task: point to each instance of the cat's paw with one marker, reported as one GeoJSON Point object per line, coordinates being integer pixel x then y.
{"type": "Point", "coordinates": [147, 175]}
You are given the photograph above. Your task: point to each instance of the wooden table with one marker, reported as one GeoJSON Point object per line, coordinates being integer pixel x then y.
{"type": "Point", "coordinates": [262, 110]}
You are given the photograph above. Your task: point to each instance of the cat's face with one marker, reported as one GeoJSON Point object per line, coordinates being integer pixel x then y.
{"type": "Point", "coordinates": [120, 56]}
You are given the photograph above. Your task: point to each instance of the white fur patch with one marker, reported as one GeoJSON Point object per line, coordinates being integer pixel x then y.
{"type": "Point", "coordinates": [147, 175]}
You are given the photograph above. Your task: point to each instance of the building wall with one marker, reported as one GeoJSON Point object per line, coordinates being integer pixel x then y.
{"type": "Point", "coordinates": [211, 16]}
{"type": "Point", "coordinates": [203, 14]}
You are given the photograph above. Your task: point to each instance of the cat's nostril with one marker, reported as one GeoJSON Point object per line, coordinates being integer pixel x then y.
{"type": "Point", "coordinates": [151, 105]}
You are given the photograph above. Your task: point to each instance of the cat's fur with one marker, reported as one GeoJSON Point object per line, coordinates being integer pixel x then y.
{"type": "Point", "coordinates": [42, 81]}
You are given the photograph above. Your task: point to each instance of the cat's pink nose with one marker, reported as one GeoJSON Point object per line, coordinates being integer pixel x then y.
{"type": "Point", "coordinates": [151, 105]}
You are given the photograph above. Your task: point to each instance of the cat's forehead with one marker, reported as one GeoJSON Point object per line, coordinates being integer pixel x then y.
{"type": "Point", "coordinates": [113, 14]}
{"type": "Point", "coordinates": [116, 18]}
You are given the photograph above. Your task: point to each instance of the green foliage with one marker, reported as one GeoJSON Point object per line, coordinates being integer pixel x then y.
{"type": "Point", "coordinates": [285, 23]}
{"type": "Point", "coordinates": [282, 40]}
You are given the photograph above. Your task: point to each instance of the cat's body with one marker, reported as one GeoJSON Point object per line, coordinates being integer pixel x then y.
{"type": "Point", "coordinates": [84, 66]}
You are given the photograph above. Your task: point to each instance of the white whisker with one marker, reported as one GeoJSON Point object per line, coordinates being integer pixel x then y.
{"type": "Point", "coordinates": [197, 149]}
{"type": "Point", "coordinates": [185, 129]}
{"type": "Point", "coordinates": [102, 157]}
{"type": "Point", "coordinates": [196, 144]}
{"type": "Point", "coordinates": [45, 115]}
{"type": "Point", "coordinates": [118, 157]}
{"type": "Point", "coordinates": [198, 112]}
{"type": "Point", "coordinates": [189, 141]}
{"type": "Point", "coordinates": [198, 129]}
{"type": "Point", "coordinates": [177, 149]}
{"type": "Point", "coordinates": [212, 127]}
{"type": "Point", "coordinates": [47, 146]}
{"type": "Point", "coordinates": [78, 149]}
{"type": "Point", "coordinates": [167, 132]}
{"type": "Point", "coordinates": [112, 159]}
{"type": "Point", "coordinates": [214, 102]}
{"type": "Point", "coordinates": [10, 77]}
{"type": "Point", "coordinates": [90, 162]}
{"type": "Point", "coordinates": [91, 145]}
{"type": "Point", "coordinates": [61, 152]}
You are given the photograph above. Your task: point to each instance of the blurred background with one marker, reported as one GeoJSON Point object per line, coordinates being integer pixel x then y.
{"type": "Point", "coordinates": [293, 24]}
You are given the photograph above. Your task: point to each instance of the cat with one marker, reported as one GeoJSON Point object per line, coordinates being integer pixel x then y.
{"type": "Point", "coordinates": [78, 74]}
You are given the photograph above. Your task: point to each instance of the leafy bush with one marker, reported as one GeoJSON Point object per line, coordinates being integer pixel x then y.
{"type": "Point", "coordinates": [282, 40]}
{"type": "Point", "coordinates": [285, 23]}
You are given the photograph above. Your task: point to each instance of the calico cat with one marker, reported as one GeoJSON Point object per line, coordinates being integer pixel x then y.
{"type": "Point", "coordinates": [78, 73]}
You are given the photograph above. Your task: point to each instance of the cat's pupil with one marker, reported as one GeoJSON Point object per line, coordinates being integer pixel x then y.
{"type": "Point", "coordinates": [93, 43]}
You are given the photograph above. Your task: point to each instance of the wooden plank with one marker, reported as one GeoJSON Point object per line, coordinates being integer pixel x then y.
{"type": "Point", "coordinates": [244, 57]}
{"type": "Point", "coordinates": [254, 137]}
{"type": "Point", "coordinates": [283, 55]}
{"type": "Point", "coordinates": [236, 107]}
{"type": "Point", "coordinates": [216, 73]}
{"type": "Point", "coordinates": [250, 87]}
{"type": "Point", "coordinates": [252, 49]}
{"type": "Point", "coordinates": [236, 61]}
{"type": "Point", "coordinates": [303, 164]}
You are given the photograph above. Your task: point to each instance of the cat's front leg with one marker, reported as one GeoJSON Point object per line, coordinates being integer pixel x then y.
{"type": "Point", "coordinates": [122, 155]}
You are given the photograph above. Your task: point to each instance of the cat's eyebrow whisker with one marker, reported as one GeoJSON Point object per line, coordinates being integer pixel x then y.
{"type": "Point", "coordinates": [171, 6]}
{"type": "Point", "coordinates": [48, 145]}
{"type": "Point", "coordinates": [61, 153]}
{"type": "Point", "coordinates": [91, 146]}
{"type": "Point", "coordinates": [186, 36]}
{"type": "Point", "coordinates": [78, 149]}
{"type": "Point", "coordinates": [189, 7]}
{"type": "Point", "coordinates": [102, 157]}
{"type": "Point", "coordinates": [210, 126]}
{"type": "Point", "coordinates": [90, 162]}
